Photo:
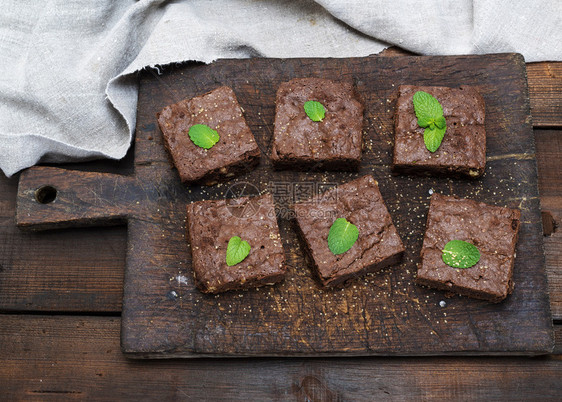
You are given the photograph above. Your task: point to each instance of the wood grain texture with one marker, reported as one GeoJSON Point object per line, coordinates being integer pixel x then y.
{"type": "Point", "coordinates": [50, 198]}
{"type": "Point", "coordinates": [549, 147]}
{"type": "Point", "coordinates": [164, 316]}
{"type": "Point", "coordinates": [383, 313]}
{"type": "Point", "coordinates": [557, 340]}
{"type": "Point", "coordinates": [62, 270]}
{"type": "Point", "coordinates": [54, 358]}
{"type": "Point", "coordinates": [545, 90]}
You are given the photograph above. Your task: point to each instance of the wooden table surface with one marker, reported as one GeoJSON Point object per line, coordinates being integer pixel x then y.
{"type": "Point", "coordinates": [60, 306]}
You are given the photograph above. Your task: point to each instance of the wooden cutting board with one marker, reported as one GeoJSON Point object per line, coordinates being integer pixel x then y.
{"type": "Point", "coordinates": [164, 315]}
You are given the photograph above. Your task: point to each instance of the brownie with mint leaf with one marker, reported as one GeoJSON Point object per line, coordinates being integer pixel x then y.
{"type": "Point", "coordinates": [208, 137]}
{"type": "Point", "coordinates": [318, 125]}
{"type": "Point", "coordinates": [440, 130]}
{"type": "Point", "coordinates": [348, 232]}
{"type": "Point", "coordinates": [469, 248]}
{"type": "Point", "coordinates": [235, 243]}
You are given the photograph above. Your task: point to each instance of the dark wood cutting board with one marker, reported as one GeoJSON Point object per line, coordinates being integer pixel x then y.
{"type": "Point", "coordinates": [164, 315]}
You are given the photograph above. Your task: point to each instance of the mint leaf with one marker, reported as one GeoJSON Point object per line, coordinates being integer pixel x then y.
{"type": "Point", "coordinates": [425, 121]}
{"type": "Point", "coordinates": [426, 108]}
{"type": "Point", "coordinates": [236, 251]}
{"type": "Point", "coordinates": [314, 110]}
{"type": "Point", "coordinates": [430, 115]}
{"type": "Point", "coordinates": [342, 236]}
{"type": "Point", "coordinates": [203, 136]}
{"type": "Point", "coordinates": [460, 254]}
{"type": "Point", "coordinates": [432, 137]}
{"type": "Point", "coordinates": [441, 122]}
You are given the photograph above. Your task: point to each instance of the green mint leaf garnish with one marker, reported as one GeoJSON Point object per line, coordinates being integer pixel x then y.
{"type": "Point", "coordinates": [430, 115]}
{"type": "Point", "coordinates": [342, 236]}
{"type": "Point", "coordinates": [236, 251]}
{"type": "Point", "coordinates": [314, 110]}
{"type": "Point", "coordinates": [426, 107]}
{"type": "Point", "coordinates": [440, 122]}
{"type": "Point", "coordinates": [425, 121]}
{"type": "Point", "coordinates": [432, 137]}
{"type": "Point", "coordinates": [203, 136]}
{"type": "Point", "coordinates": [460, 254]}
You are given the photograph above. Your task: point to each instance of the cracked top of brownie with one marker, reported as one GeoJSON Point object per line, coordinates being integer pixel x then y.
{"type": "Point", "coordinates": [218, 109]}
{"type": "Point", "coordinates": [361, 203]}
{"type": "Point", "coordinates": [337, 136]}
{"type": "Point", "coordinates": [212, 223]}
{"type": "Point", "coordinates": [493, 230]}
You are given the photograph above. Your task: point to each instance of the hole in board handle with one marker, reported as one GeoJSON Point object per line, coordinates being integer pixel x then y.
{"type": "Point", "coordinates": [45, 194]}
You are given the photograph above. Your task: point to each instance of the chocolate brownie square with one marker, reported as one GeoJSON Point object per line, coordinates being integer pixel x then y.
{"type": "Point", "coordinates": [235, 152]}
{"type": "Point", "coordinates": [463, 150]}
{"type": "Point", "coordinates": [493, 230]}
{"type": "Point", "coordinates": [210, 226]}
{"type": "Point", "coordinates": [361, 203]}
{"type": "Point", "coordinates": [333, 143]}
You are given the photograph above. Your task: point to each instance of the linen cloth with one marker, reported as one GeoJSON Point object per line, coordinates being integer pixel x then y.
{"type": "Point", "coordinates": [68, 69]}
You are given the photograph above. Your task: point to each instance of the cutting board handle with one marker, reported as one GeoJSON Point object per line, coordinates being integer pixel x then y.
{"type": "Point", "coordinates": [51, 198]}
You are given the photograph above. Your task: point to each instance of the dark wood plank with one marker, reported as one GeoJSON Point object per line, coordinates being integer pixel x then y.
{"type": "Point", "coordinates": [549, 160]}
{"type": "Point", "coordinates": [63, 270]}
{"type": "Point", "coordinates": [164, 314]}
{"type": "Point", "coordinates": [557, 340]}
{"type": "Point", "coordinates": [51, 197]}
{"type": "Point", "coordinates": [51, 358]}
{"type": "Point", "coordinates": [545, 90]}
{"type": "Point", "coordinates": [383, 313]}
